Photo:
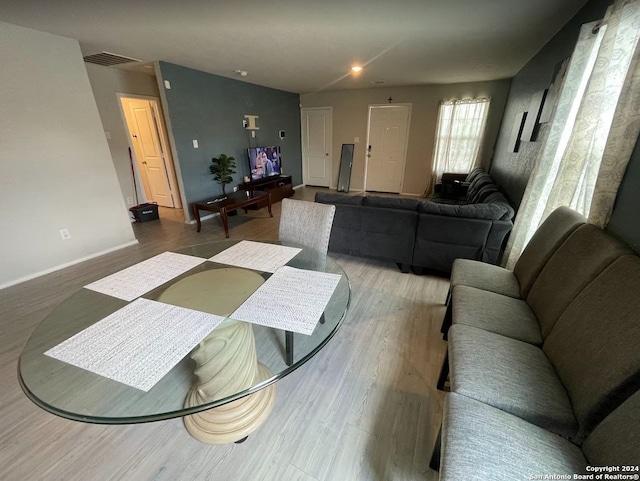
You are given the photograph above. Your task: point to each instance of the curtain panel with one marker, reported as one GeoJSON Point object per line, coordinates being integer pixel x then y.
{"type": "Point", "coordinates": [593, 130]}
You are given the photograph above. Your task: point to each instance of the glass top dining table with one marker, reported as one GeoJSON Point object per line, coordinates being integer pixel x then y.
{"type": "Point", "coordinates": [235, 362]}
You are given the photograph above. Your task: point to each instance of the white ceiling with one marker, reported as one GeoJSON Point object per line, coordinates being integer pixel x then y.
{"type": "Point", "coordinates": [307, 46]}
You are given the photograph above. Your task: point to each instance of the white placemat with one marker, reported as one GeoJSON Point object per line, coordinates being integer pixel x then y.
{"type": "Point", "coordinates": [140, 278]}
{"type": "Point", "coordinates": [256, 255]}
{"type": "Point", "coordinates": [138, 344]}
{"type": "Point", "coordinates": [291, 299]}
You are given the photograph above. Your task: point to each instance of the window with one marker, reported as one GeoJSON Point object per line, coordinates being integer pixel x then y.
{"type": "Point", "coordinates": [459, 134]}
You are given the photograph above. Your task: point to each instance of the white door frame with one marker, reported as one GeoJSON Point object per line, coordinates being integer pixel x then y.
{"type": "Point", "coordinates": [304, 163]}
{"type": "Point", "coordinates": [168, 159]}
{"type": "Point", "coordinates": [406, 140]}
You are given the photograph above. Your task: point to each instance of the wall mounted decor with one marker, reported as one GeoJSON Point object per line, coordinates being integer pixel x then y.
{"type": "Point", "coordinates": [532, 124]}
{"type": "Point", "coordinates": [516, 131]}
{"type": "Point", "coordinates": [554, 90]}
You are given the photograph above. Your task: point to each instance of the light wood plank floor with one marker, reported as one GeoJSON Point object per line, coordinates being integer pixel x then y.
{"type": "Point", "coordinates": [365, 408]}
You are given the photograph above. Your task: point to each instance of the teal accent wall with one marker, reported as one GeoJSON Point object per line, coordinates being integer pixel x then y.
{"type": "Point", "coordinates": [210, 109]}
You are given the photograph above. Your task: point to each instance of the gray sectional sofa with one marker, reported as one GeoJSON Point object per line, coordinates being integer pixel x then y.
{"type": "Point", "coordinates": [543, 361]}
{"type": "Point", "coordinates": [422, 233]}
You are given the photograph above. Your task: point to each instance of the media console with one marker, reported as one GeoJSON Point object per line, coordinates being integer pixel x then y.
{"type": "Point", "coordinates": [279, 186]}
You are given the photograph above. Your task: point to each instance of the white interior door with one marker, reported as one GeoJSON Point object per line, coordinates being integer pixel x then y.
{"type": "Point", "coordinates": [150, 154]}
{"type": "Point", "coordinates": [387, 147]}
{"type": "Point", "coordinates": [316, 146]}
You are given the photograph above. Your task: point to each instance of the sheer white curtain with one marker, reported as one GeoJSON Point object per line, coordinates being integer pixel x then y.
{"type": "Point", "coordinates": [459, 135]}
{"type": "Point", "coordinates": [593, 130]}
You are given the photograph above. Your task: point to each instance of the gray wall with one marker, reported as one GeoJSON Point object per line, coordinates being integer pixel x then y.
{"type": "Point", "coordinates": [57, 171]}
{"type": "Point", "coordinates": [350, 117]}
{"type": "Point", "coordinates": [511, 170]}
{"type": "Point", "coordinates": [107, 83]}
{"type": "Point", "coordinates": [210, 109]}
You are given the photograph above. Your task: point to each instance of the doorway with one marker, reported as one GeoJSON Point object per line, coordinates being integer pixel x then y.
{"type": "Point", "coordinates": [148, 141]}
{"type": "Point", "coordinates": [387, 137]}
{"type": "Point", "coordinates": [316, 146]}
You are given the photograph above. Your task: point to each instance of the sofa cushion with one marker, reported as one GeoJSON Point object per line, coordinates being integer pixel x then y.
{"type": "Point", "coordinates": [615, 440]}
{"type": "Point", "coordinates": [391, 202]}
{"type": "Point", "coordinates": [495, 313]}
{"type": "Point", "coordinates": [472, 211]}
{"type": "Point", "coordinates": [485, 191]}
{"type": "Point", "coordinates": [333, 198]}
{"type": "Point", "coordinates": [510, 375]}
{"type": "Point", "coordinates": [473, 174]}
{"type": "Point", "coordinates": [467, 272]}
{"type": "Point", "coordinates": [497, 198]}
{"type": "Point", "coordinates": [550, 235]}
{"type": "Point", "coordinates": [385, 234]}
{"type": "Point", "coordinates": [480, 181]}
{"type": "Point", "coordinates": [584, 255]}
{"type": "Point", "coordinates": [594, 345]}
{"type": "Point", "coordinates": [480, 442]}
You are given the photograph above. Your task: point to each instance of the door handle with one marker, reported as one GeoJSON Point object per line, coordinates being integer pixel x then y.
{"type": "Point", "coordinates": [144, 162]}
{"type": "Point", "coordinates": [326, 154]}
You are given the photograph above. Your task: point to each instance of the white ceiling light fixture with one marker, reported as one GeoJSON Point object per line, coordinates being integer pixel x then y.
{"type": "Point", "coordinates": [356, 68]}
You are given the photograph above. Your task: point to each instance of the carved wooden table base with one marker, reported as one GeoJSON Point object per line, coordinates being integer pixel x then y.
{"type": "Point", "coordinates": [226, 360]}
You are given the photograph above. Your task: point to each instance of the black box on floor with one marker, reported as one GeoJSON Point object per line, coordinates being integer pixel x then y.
{"type": "Point", "coordinates": [145, 212]}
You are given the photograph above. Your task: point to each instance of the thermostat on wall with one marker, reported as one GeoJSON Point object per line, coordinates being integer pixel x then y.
{"type": "Point", "coordinates": [281, 133]}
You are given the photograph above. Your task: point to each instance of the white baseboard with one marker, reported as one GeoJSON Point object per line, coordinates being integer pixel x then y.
{"type": "Point", "coordinates": [298, 186]}
{"type": "Point", "coordinates": [67, 264]}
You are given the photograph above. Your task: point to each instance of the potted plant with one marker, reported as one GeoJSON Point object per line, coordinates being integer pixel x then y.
{"type": "Point", "coordinates": [222, 168]}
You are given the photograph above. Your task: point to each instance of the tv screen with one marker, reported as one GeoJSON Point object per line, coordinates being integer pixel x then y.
{"type": "Point", "coordinates": [264, 162]}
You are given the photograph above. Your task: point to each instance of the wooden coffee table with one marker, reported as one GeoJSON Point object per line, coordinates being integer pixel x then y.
{"type": "Point", "coordinates": [226, 203]}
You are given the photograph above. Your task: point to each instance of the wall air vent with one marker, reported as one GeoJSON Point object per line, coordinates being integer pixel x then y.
{"type": "Point", "coordinates": [107, 59]}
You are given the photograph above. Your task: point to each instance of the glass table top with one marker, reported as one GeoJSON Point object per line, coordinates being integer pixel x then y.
{"type": "Point", "coordinates": [77, 394]}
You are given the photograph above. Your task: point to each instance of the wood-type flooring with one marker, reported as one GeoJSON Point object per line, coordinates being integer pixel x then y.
{"type": "Point", "coordinates": [364, 408]}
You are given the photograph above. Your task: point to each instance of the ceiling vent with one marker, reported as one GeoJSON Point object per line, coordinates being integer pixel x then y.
{"type": "Point", "coordinates": [107, 59]}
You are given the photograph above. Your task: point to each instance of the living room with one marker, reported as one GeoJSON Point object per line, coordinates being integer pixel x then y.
{"type": "Point", "coordinates": [68, 177]}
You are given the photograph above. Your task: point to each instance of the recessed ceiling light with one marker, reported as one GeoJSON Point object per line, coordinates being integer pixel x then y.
{"type": "Point", "coordinates": [356, 68]}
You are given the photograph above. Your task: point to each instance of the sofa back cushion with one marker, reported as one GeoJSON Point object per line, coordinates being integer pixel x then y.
{"type": "Point", "coordinates": [615, 440]}
{"type": "Point", "coordinates": [489, 211]}
{"type": "Point", "coordinates": [332, 198]}
{"type": "Point", "coordinates": [390, 202]}
{"type": "Point", "coordinates": [479, 182]}
{"type": "Point", "coordinates": [545, 241]}
{"type": "Point", "coordinates": [485, 191]}
{"type": "Point", "coordinates": [473, 174]}
{"type": "Point", "coordinates": [584, 255]}
{"type": "Point", "coordinates": [594, 344]}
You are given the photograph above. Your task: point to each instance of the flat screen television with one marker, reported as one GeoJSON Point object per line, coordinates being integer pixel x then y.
{"type": "Point", "coordinates": [264, 162]}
